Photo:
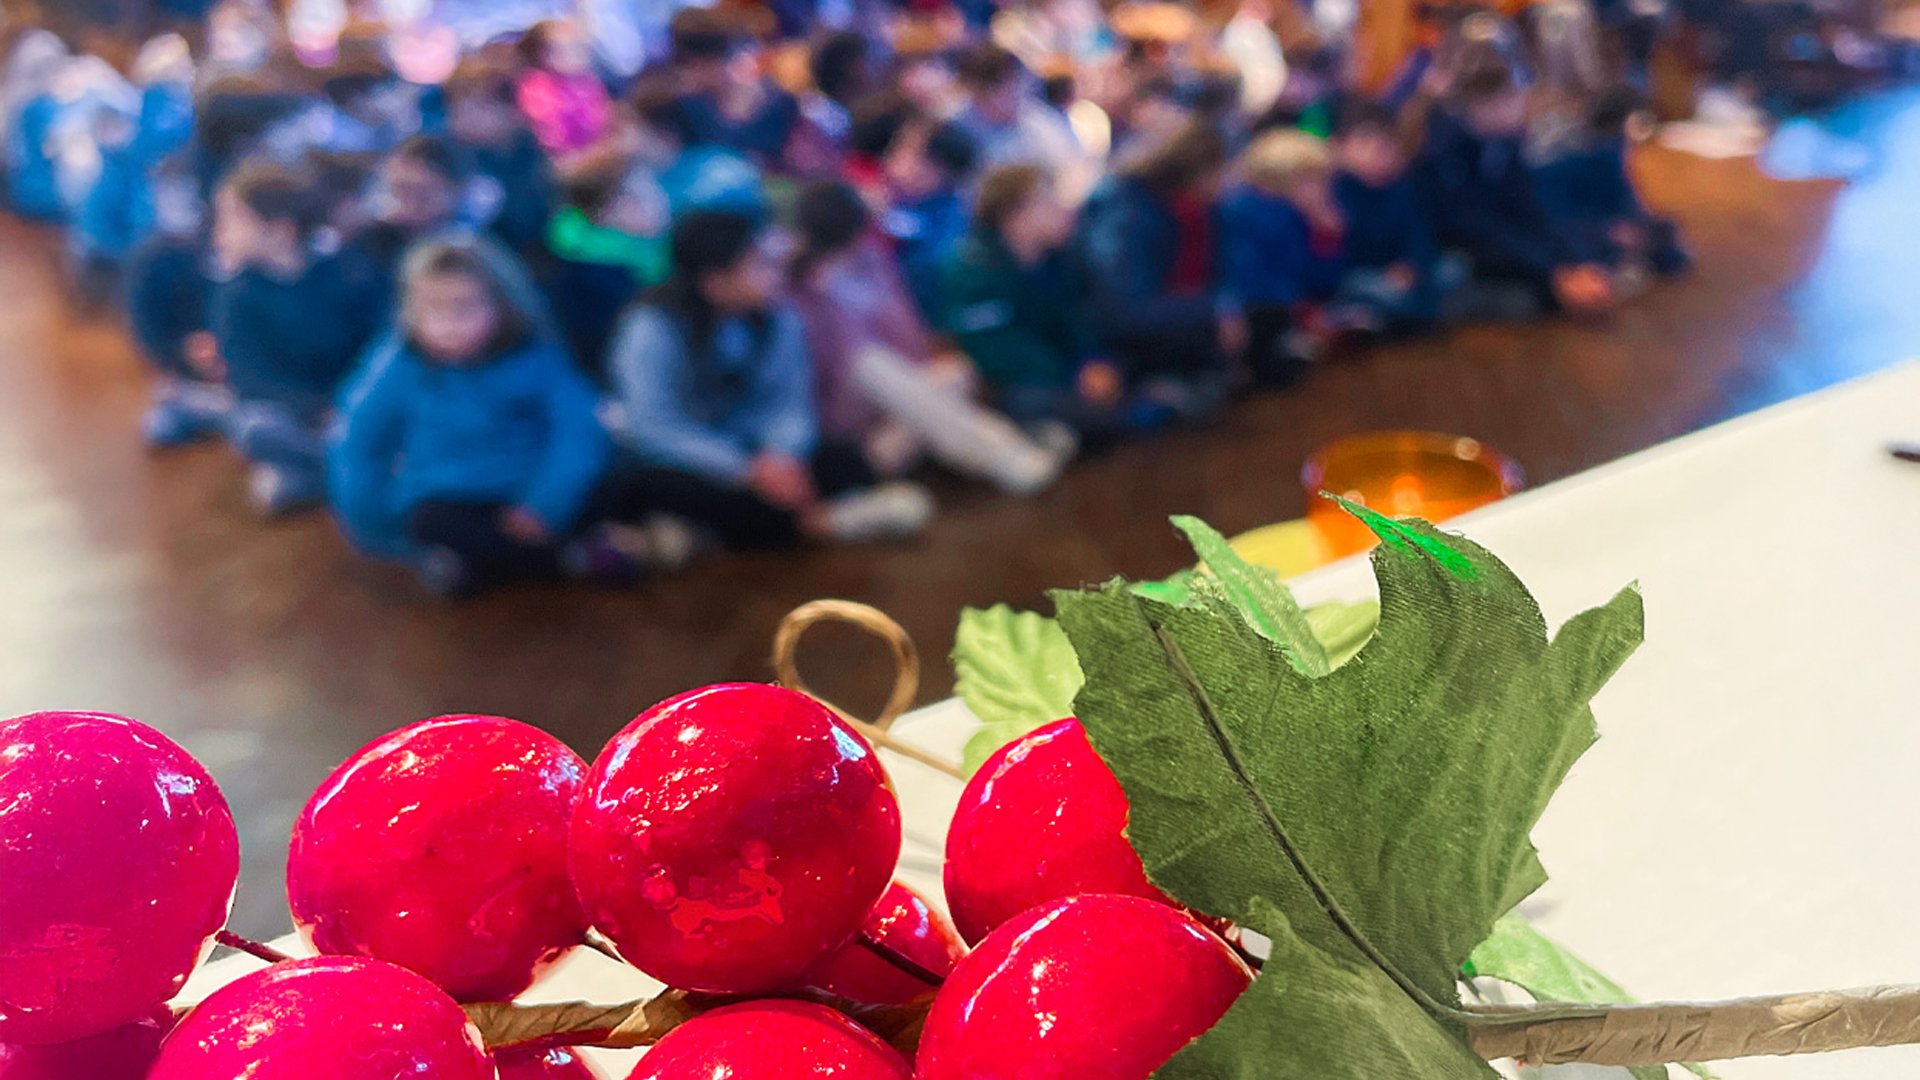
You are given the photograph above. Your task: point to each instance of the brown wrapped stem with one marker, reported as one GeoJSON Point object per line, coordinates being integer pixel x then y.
{"type": "Point", "coordinates": [1639, 1035]}
{"type": "Point", "coordinates": [634, 1024]}
{"type": "Point", "coordinates": [906, 668]}
{"type": "Point", "coordinates": [1627, 1035]}
{"type": "Point", "coordinates": [577, 1023]}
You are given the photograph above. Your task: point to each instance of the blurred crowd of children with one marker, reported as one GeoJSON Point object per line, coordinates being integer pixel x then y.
{"type": "Point", "coordinates": [539, 318]}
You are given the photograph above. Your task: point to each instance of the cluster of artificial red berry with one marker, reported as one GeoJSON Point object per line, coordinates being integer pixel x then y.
{"type": "Point", "coordinates": [737, 842]}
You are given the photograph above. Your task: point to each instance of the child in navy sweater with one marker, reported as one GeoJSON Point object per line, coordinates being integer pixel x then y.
{"type": "Point", "coordinates": [169, 289]}
{"type": "Point", "coordinates": [289, 326]}
{"type": "Point", "coordinates": [1588, 188]}
{"type": "Point", "coordinates": [484, 119]}
{"type": "Point", "coordinates": [1394, 263]}
{"type": "Point", "coordinates": [1282, 251]}
{"type": "Point", "coordinates": [1487, 207]}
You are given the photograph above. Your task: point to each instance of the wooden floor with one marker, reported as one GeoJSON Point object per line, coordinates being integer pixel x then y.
{"type": "Point", "coordinates": [138, 583]}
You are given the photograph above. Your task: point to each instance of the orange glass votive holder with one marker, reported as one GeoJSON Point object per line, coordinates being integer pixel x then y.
{"type": "Point", "coordinates": [1402, 474]}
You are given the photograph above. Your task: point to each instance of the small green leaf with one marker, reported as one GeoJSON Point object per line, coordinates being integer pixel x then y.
{"type": "Point", "coordinates": [1175, 590]}
{"type": "Point", "coordinates": [1519, 954]}
{"type": "Point", "coordinates": [1016, 672]}
{"type": "Point", "coordinates": [1344, 628]}
{"type": "Point", "coordinates": [1260, 596]}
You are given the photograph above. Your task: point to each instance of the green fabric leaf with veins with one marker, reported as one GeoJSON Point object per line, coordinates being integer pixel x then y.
{"type": "Point", "coordinates": [1519, 954]}
{"type": "Point", "coordinates": [1384, 809]}
{"type": "Point", "coordinates": [1016, 672]}
{"type": "Point", "coordinates": [1310, 1003]}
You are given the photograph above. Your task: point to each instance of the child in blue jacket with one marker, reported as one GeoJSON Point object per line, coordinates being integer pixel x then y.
{"type": "Point", "coordinates": [28, 112]}
{"type": "Point", "coordinates": [118, 214]}
{"type": "Point", "coordinates": [469, 443]}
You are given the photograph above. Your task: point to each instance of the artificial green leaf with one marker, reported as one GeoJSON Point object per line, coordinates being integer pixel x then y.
{"type": "Point", "coordinates": [1317, 1015]}
{"type": "Point", "coordinates": [1261, 598]}
{"type": "Point", "coordinates": [1384, 808]}
{"type": "Point", "coordinates": [1174, 590]}
{"type": "Point", "coordinates": [1016, 672]}
{"type": "Point", "coordinates": [1519, 954]}
{"type": "Point", "coordinates": [1344, 628]}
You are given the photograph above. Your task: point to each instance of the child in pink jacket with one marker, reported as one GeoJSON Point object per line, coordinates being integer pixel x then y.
{"type": "Point", "coordinates": [565, 101]}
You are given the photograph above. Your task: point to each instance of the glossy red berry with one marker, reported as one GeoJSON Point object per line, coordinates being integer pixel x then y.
{"type": "Point", "coordinates": [731, 837]}
{"type": "Point", "coordinates": [905, 923]}
{"type": "Point", "coordinates": [1043, 819]}
{"type": "Point", "coordinates": [443, 848]}
{"type": "Point", "coordinates": [118, 861]}
{"type": "Point", "coordinates": [556, 1064]}
{"type": "Point", "coordinates": [1106, 986]}
{"type": "Point", "coordinates": [772, 1040]}
{"type": "Point", "coordinates": [329, 1018]}
{"type": "Point", "coordinates": [125, 1053]}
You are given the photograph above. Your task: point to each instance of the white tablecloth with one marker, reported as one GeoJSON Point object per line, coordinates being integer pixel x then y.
{"type": "Point", "coordinates": [1745, 824]}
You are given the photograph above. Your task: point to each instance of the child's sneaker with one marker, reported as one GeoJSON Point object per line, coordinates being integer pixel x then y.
{"type": "Point", "coordinates": [1036, 463]}
{"type": "Point", "coordinates": [597, 558]}
{"type": "Point", "coordinates": [1055, 438]}
{"type": "Point", "coordinates": [1191, 400]}
{"type": "Point", "coordinates": [1146, 415]}
{"type": "Point", "coordinates": [277, 492]}
{"type": "Point", "coordinates": [888, 512]}
{"type": "Point", "coordinates": [186, 414]}
{"type": "Point", "coordinates": [168, 425]}
{"type": "Point", "coordinates": [444, 574]}
{"type": "Point", "coordinates": [671, 543]}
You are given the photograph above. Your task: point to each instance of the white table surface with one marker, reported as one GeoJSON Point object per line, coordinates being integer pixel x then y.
{"type": "Point", "coordinates": [1745, 825]}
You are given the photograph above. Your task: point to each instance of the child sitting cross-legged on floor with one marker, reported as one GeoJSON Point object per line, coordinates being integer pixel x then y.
{"type": "Point", "coordinates": [1282, 252]}
{"type": "Point", "coordinates": [716, 400]}
{"type": "Point", "coordinates": [880, 380]}
{"type": "Point", "coordinates": [1394, 262]}
{"type": "Point", "coordinates": [168, 288]}
{"type": "Point", "coordinates": [1488, 207]}
{"type": "Point", "coordinates": [1015, 306]}
{"type": "Point", "coordinates": [289, 326]}
{"type": "Point", "coordinates": [469, 444]}
{"type": "Point", "coordinates": [1589, 189]}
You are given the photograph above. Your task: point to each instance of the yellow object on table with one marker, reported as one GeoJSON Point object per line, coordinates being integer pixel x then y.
{"type": "Point", "coordinates": [1290, 548]}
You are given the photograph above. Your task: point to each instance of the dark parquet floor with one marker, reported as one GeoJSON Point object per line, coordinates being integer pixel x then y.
{"type": "Point", "coordinates": [139, 583]}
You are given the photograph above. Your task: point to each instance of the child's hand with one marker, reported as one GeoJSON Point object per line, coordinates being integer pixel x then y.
{"type": "Point", "coordinates": [202, 353]}
{"type": "Point", "coordinates": [1586, 289]}
{"type": "Point", "coordinates": [1628, 235]}
{"type": "Point", "coordinates": [954, 373]}
{"type": "Point", "coordinates": [783, 481]}
{"type": "Point", "coordinates": [1235, 335]}
{"type": "Point", "coordinates": [525, 527]}
{"type": "Point", "coordinates": [1100, 383]}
